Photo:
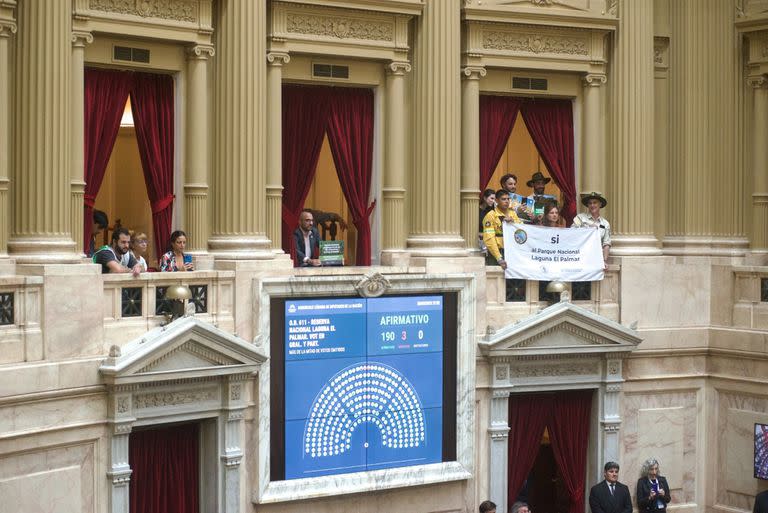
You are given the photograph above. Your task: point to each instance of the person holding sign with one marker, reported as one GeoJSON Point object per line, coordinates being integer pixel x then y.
{"type": "Point", "coordinates": [552, 218]}
{"type": "Point", "coordinates": [594, 201]}
{"type": "Point", "coordinates": [652, 489]}
{"type": "Point", "coordinates": [493, 232]}
{"type": "Point", "coordinates": [538, 182]}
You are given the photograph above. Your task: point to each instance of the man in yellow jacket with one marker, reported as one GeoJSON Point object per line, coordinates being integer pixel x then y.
{"type": "Point", "coordinates": [493, 231]}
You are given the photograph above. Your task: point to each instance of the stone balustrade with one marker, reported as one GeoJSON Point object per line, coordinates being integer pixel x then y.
{"type": "Point", "coordinates": [750, 300]}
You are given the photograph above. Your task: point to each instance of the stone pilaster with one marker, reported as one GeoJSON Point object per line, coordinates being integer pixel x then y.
{"type": "Point", "coordinates": [197, 217]}
{"type": "Point", "coordinates": [759, 163]}
{"type": "Point", "coordinates": [435, 180]}
{"type": "Point", "coordinates": [470, 153]}
{"type": "Point", "coordinates": [393, 193]}
{"type": "Point", "coordinates": [705, 182]}
{"type": "Point", "coordinates": [240, 107]}
{"type": "Point", "coordinates": [275, 62]}
{"type": "Point", "coordinates": [593, 145]}
{"type": "Point", "coordinates": [7, 28]}
{"type": "Point", "coordinates": [632, 162]}
{"type": "Point", "coordinates": [499, 457]}
{"type": "Point", "coordinates": [41, 183]}
{"type": "Point", "coordinates": [77, 135]}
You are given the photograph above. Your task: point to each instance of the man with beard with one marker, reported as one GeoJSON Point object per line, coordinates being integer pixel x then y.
{"type": "Point", "coordinates": [109, 256]}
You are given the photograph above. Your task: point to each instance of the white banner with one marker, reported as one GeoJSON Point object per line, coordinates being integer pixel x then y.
{"type": "Point", "coordinates": [545, 254]}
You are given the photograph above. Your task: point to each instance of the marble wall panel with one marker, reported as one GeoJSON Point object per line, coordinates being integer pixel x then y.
{"type": "Point", "coordinates": [737, 413]}
{"type": "Point", "coordinates": [34, 416]}
{"type": "Point", "coordinates": [661, 424]}
{"type": "Point", "coordinates": [57, 479]}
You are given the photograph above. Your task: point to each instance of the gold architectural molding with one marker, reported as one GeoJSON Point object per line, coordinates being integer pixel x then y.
{"type": "Point", "coordinates": [474, 72]}
{"type": "Point", "coordinates": [7, 27]}
{"type": "Point", "coordinates": [534, 43]}
{"type": "Point", "coordinates": [203, 52]}
{"type": "Point", "coordinates": [661, 53]}
{"type": "Point", "coordinates": [177, 10]}
{"type": "Point", "coordinates": [81, 38]}
{"type": "Point", "coordinates": [594, 79]}
{"type": "Point", "coordinates": [339, 28]}
{"type": "Point", "coordinates": [278, 58]}
{"type": "Point", "coordinates": [398, 68]}
{"type": "Point", "coordinates": [757, 82]}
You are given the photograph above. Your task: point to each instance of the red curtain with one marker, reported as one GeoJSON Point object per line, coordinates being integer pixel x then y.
{"type": "Point", "coordinates": [569, 432]}
{"type": "Point", "coordinates": [350, 135]}
{"type": "Point", "coordinates": [305, 112]}
{"type": "Point", "coordinates": [497, 118]}
{"type": "Point", "coordinates": [550, 123]}
{"type": "Point", "coordinates": [528, 414]}
{"type": "Point", "coordinates": [165, 464]}
{"type": "Point", "coordinates": [105, 95]}
{"type": "Point", "coordinates": [152, 104]}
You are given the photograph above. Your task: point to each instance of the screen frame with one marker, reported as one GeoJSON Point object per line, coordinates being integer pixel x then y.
{"type": "Point", "coordinates": [754, 454]}
{"type": "Point", "coordinates": [277, 377]}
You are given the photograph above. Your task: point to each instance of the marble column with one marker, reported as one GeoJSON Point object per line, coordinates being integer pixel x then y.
{"type": "Point", "coordinates": [41, 189]}
{"type": "Point", "coordinates": [759, 163]}
{"type": "Point", "coordinates": [7, 27]}
{"type": "Point", "coordinates": [499, 457]}
{"type": "Point", "coordinates": [275, 62]}
{"type": "Point", "coordinates": [593, 140]}
{"type": "Point", "coordinates": [77, 136]}
{"type": "Point", "coordinates": [470, 154]}
{"type": "Point", "coordinates": [394, 191]}
{"type": "Point", "coordinates": [704, 172]}
{"type": "Point", "coordinates": [197, 217]}
{"type": "Point", "coordinates": [240, 125]}
{"type": "Point", "coordinates": [631, 219]}
{"type": "Point", "coordinates": [435, 180]}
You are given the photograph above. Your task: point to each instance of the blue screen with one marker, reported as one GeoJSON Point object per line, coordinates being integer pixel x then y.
{"type": "Point", "coordinates": [363, 384]}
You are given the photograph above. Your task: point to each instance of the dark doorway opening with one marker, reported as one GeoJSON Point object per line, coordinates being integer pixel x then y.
{"type": "Point", "coordinates": [544, 490]}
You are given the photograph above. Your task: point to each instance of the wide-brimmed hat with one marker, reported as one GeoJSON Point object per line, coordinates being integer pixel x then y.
{"type": "Point", "coordinates": [586, 196]}
{"type": "Point", "coordinates": [536, 177]}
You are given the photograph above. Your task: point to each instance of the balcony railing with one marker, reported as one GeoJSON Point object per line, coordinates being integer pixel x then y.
{"type": "Point", "coordinates": [21, 301]}
{"type": "Point", "coordinates": [750, 301]}
{"type": "Point", "coordinates": [134, 305]}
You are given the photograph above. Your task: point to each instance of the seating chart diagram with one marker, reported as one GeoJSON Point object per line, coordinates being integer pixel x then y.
{"type": "Point", "coordinates": [363, 384]}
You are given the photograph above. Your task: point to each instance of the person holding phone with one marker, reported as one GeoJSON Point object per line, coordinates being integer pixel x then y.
{"type": "Point", "coordinates": [652, 489]}
{"type": "Point", "coordinates": [175, 259]}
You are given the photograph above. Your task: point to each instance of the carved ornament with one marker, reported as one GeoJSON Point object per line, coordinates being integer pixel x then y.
{"type": "Point", "coordinates": [474, 72]}
{"type": "Point", "coordinates": [373, 285]}
{"type": "Point", "coordinates": [338, 27]}
{"type": "Point", "coordinates": [398, 67]}
{"type": "Point", "coordinates": [162, 399]}
{"type": "Point", "coordinates": [612, 8]}
{"type": "Point", "coordinates": [235, 392]}
{"type": "Point", "coordinates": [201, 52]}
{"type": "Point", "coordinates": [278, 59]}
{"type": "Point", "coordinates": [123, 404]}
{"type": "Point", "coordinates": [7, 28]}
{"type": "Point", "coordinates": [543, 371]}
{"type": "Point", "coordinates": [611, 428]}
{"type": "Point", "coordinates": [80, 39]}
{"type": "Point", "coordinates": [178, 10]}
{"type": "Point", "coordinates": [615, 387]}
{"type": "Point", "coordinates": [501, 372]}
{"type": "Point", "coordinates": [530, 43]}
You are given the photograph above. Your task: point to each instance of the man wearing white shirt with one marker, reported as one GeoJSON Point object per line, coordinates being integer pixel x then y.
{"type": "Point", "coordinates": [610, 496]}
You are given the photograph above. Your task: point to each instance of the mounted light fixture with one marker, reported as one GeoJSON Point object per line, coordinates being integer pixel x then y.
{"type": "Point", "coordinates": [177, 295]}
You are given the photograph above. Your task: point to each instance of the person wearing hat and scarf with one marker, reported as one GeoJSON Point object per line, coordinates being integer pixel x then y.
{"type": "Point", "coordinates": [594, 201]}
{"type": "Point", "coordinates": [538, 181]}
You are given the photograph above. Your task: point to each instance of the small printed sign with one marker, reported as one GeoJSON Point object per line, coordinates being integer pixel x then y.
{"type": "Point", "coordinates": [332, 252]}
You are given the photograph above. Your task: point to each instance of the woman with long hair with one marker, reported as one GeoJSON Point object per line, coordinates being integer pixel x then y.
{"type": "Point", "coordinates": [551, 216]}
{"type": "Point", "coordinates": [175, 259]}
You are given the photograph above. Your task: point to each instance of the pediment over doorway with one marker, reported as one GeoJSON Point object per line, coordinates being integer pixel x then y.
{"type": "Point", "coordinates": [187, 348]}
{"type": "Point", "coordinates": [562, 329]}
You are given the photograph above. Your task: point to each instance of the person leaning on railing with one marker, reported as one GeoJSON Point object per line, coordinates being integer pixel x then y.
{"type": "Point", "coordinates": [594, 201]}
{"type": "Point", "coordinates": [493, 228]}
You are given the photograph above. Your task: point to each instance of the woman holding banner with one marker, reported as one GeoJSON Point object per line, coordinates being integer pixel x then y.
{"type": "Point", "coordinates": [594, 201]}
{"type": "Point", "coordinates": [551, 217]}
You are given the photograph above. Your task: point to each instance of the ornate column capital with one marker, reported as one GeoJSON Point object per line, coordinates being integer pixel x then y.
{"type": "Point", "coordinates": [200, 52]}
{"type": "Point", "coordinates": [80, 38]}
{"type": "Point", "coordinates": [398, 68]}
{"type": "Point", "coordinates": [594, 79]}
{"type": "Point", "coordinates": [278, 58]}
{"type": "Point", "coordinates": [473, 72]}
{"type": "Point", "coordinates": [7, 27]}
{"type": "Point", "coordinates": [757, 82]}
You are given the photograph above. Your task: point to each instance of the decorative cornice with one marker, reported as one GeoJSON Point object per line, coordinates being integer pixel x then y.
{"type": "Point", "coordinates": [594, 79]}
{"type": "Point", "coordinates": [163, 399]}
{"type": "Point", "coordinates": [278, 58]}
{"type": "Point", "coordinates": [560, 369]}
{"type": "Point", "coordinates": [178, 10]}
{"type": "Point", "coordinates": [80, 38]}
{"type": "Point", "coordinates": [202, 52]}
{"type": "Point", "coordinates": [474, 72]}
{"type": "Point", "coordinates": [613, 387]}
{"type": "Point", "coordinates": [398, 67]}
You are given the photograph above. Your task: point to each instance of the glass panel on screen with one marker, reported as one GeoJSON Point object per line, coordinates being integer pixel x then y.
{"type": "Point", "coordinates": [363, 384]}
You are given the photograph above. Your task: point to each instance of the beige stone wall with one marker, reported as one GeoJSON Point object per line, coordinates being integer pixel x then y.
{"type": "Point", "coordinates": [671, 117]}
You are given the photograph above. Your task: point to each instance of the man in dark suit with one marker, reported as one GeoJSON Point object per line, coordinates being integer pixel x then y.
{"type": "Point", "coordinates": [306, 240]}
{"type": "Point", "coordinates": [610, 496]}
{"type": "Point", "coordinates": [761, 503]}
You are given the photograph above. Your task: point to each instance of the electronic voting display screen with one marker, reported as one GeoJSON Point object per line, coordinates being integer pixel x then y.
{"type": "Point", "coordinates": [363, 384]}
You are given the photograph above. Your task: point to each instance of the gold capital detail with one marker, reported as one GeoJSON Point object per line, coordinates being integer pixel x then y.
{"type": "Point", "coordinates": [474, 72]}
{"type": "Point", "coordinates": [80, 39]}
{"type": "Point", "coordinates": [278, 58]}
{"type": "Point", "coordinates": [202, 52]}
{"type": "Point", "coordinates": [398, 68]}
{"type": "Point", "coordinates": [594, 79]}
